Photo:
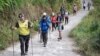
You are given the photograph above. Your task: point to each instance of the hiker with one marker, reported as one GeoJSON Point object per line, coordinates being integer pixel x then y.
{"type": "Point", "coordinates": [53, 20]}
{"type": "Point", "coordinates": [48, 18]}
{"type": "Point", "coordinates": [74, 9]}
{"type": "Point", "coordinates": [84, 6]}
{"type": "Point", "coordinates": [59, 23]}
{"type": "Point", "coordinates": [62, 11]}
{"type": "Point", "coordinates": [23, 27]}
{"type": "Point", "coordinates": [66, 17]}
{"type": "Point", "coordinates": [44, 27]}
{"type": "Point", "coordinates": [89, 5]}
{"type": "Point", "coordinates": [84, 1]}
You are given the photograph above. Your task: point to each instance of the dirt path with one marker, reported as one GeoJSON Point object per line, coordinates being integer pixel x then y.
{"type": "Point", "coordinates": [64, 47]}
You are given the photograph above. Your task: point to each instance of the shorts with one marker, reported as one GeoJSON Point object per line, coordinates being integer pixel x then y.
{"type": "Point", "coordinates": [59, 27]}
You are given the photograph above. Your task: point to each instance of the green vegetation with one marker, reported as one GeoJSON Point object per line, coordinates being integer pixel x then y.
{"type": "Point", "coordinates": [9, 10]}
{"type": "Point", "coordinates": [87, 34]}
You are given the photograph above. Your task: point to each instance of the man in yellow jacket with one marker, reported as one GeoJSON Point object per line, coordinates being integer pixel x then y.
{"type": "Point", "coordinates": [23, 26]}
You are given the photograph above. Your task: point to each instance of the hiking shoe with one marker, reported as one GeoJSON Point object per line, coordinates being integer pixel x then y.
{"type": "Point", "coordinates": [26, 53]}
{"type": "Point", "coordinates": [22, 54]}
{"type": "Point", "coordinates": [44, 45]}
{"type": "Point", "coordinates": [59, 38]}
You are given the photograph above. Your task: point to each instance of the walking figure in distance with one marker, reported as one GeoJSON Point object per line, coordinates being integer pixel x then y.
{"type": "Point", "coordinates": [74, 9]}
{"type": "Point", "coordinates": [84, 6]}
{"type": "Point", "coordinates": [66, 17]}
{"type": "Point", "coordinates": [59, 23]}
{"type": "Point", "coordinates": [89, 5]}
{"type": "Point", "coordinates": [62, 11]}
{"type": "Point", "coordinates": [53, 20]}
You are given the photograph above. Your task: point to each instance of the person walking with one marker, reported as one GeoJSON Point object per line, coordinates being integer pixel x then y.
{"type": "Point", "coordinates": [23, 27]}
{"type": "Point", "coordinates": [89, 5]}
{"type": "Point", "coordinates": [59, 23]}
{"type": "Point", "coordinates": [66, 17]}
{"type": "Point", "coordinates": [84, 6]}
{"type": "Point", "coordinates": [44, 27]}
{"type": "Point", "coordinates": [53, 20]}
{"type": "Point", "coordinates": [74, 9]}
{"type": "Point", "coordinates": [62, 11]}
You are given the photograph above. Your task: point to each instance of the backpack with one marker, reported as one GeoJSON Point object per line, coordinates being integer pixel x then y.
{"type": "Point", "coordinates": [59, 19]}
{"type": "Point", "coordinates": [44, 25]}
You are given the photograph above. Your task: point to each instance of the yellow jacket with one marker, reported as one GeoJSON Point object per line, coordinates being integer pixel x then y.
{"type": "Point", "coordinates": [23, 28]}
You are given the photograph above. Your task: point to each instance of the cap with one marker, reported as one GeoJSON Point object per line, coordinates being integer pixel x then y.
{"type": "Point", "coordinates": [44, 13]}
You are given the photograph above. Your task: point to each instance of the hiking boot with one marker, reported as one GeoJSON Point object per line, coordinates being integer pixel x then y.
{"type": "Point", "coordinates": [26, 52]}
{"type": "Point", "coordinates": [22, 54]}
{"type": "Point", "coordinates": [59, 38]}
{"type": "Point", "coordinates": [44, 45]}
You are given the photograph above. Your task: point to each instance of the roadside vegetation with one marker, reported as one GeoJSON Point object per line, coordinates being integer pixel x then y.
{"type": "Point", "coordinates": [87, 33]}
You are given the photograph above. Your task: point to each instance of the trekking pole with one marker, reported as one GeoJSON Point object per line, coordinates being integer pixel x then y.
{"type": "Point", "coordinates": [11, 9]}
{"type": "Point", "coordinates": [31, 38]}
{"type": "Point", "coordinates": [13, 41]}
{"type": "Point", "coordinates": [39, 35]}
{"type": "Point", "coordinates": [50, 33]}
{"type": "Point", "coordinates": [32, 45]}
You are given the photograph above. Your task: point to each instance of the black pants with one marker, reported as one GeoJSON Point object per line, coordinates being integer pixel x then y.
{"type": "Point", "coordinates": [66, 20]}
{"type": "Point", "coordinates": [62, 15]}
{"type": "Point", "coordinates": [74, 11]}
{"type": "Point", "coordinates": [24, 43]}
{"type": "Point", "coordinates": [53, 26]}
{"type": "Point", "coordinates": [88, 7]}
{"type": "Point", "coordinates": [44, 37]}
{"type": "Point", "coordinates": [84, 7]}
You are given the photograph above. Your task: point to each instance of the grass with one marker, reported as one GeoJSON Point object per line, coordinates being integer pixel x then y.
{"type": "Point", "coordinates": [87, 33]}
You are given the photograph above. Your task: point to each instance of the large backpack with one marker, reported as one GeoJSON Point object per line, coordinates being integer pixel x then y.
{"type": "Point", "coordinates": [44, 25]}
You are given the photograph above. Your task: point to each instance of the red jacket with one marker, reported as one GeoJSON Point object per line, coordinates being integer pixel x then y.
{"type": "Point", "coordinates": [53, 19]}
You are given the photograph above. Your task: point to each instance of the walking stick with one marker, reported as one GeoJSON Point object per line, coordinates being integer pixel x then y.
{"type": "Point", "coordinates": [50, 33]}
{"type": "Point", "coordinates": [13, 41]}
{"type": "Point", "coordinates": [31, 38]}
{"type": "Point", "coordinates": [11, 9]}
{"type": "Point", "coordinates": [32, 45]}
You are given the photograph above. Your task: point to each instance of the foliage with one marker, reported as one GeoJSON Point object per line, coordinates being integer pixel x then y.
{"type": "Point", "coordinates": [87, 34]}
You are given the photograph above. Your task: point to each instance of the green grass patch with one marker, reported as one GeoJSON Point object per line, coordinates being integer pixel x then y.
{"type": "Point", "coordinates": [87, 34]}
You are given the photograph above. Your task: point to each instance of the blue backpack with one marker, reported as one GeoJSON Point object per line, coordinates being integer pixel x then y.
{"type": "Point", "coordinates": [44, 25]}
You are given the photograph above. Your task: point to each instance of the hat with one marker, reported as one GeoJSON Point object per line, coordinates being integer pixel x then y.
{"type": "Point", "coordinates": [44, 13]}
{"type": "Point", "coordinates": [53, 14]}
